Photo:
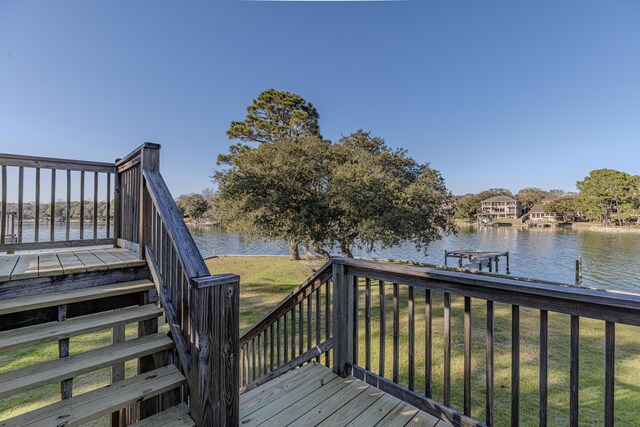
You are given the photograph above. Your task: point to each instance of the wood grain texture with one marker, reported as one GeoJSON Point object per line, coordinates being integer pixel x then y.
{"type": "Point", "coordinates": [94, 404]}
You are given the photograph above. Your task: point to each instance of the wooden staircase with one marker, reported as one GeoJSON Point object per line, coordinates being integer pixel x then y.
{"type": "Point", "coordinates": [109, 272]}
{"type": "Point", "coordinates": [78, 410]}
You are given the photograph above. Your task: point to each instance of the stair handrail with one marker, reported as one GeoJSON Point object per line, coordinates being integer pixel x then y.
{"type": "Point", "coordinates": [202, 310]}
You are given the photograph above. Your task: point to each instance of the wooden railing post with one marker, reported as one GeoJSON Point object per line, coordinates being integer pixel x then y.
{"type": "Point", "coordinates": [149, 160]}
{"type": "Point", "coordinates": [215, 382]}
{"type": "Point", "coordinates": [342, 320]}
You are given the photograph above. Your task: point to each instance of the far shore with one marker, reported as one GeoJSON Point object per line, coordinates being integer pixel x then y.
{"type": "Point", "coordinates": [580, 226]}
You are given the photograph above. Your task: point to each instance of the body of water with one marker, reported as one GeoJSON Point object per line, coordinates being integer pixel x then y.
{"type": "Point", "coordinates": [611, 260]}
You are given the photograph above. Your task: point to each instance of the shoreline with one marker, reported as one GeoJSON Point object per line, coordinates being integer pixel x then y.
{"type": "Point", "coordinates": [578, 226]}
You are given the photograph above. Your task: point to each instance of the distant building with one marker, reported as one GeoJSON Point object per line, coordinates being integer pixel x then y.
{"type": "Point", "coordinates": [500, 207]}
{"type": "Point", "coordinates": [537, 213]}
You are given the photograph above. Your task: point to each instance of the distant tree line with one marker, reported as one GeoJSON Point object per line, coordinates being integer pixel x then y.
{"type": "Point", "coordinates": [607, 196]}
{"type": "Point", "coordinates": [283, 180]}
{"type": "Point", "coordinates": [198, 207]}
{"type": "Point", "coordinates": [60, 210]}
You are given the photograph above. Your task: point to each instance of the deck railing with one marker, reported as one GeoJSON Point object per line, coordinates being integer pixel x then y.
{"type": "Point", "coordinates": [202, 311]}
{"type": "Point", "coordinates": [383, 313]}
{"type": "Point", "coordinates": [52, 217]}
{"type": "Point", "coordinates": [295, 332]}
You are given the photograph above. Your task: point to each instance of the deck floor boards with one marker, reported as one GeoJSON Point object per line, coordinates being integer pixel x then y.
{"type": "Point", "coordinates": [314, 396]}
{"type": "Point", "coordinates": [54, 263]}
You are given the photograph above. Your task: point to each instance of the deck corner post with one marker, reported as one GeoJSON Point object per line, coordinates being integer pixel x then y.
{"type": "Point", "coordinates": [215, 396]}
{"type": "Point", "coordinates": [149, 160]}
{"type": "Point", "coordinates": [342, 320]}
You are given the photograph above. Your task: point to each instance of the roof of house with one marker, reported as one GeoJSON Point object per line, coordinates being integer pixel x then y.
{"type": "Point", "coordinates": [537, 208]}
{"type": "Point", "coordinates": [499, 199]}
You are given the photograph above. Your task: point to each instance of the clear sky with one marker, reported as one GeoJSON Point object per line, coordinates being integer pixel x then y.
{"type": "Point", "coordinates": [491, 93]}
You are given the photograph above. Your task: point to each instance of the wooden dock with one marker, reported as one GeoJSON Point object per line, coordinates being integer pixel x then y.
{"type": "Point", "coordinates": [475, 260]}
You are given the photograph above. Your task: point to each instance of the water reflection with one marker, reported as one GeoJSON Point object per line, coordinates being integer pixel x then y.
{"type": "Point", "coordinates": [611, 260]}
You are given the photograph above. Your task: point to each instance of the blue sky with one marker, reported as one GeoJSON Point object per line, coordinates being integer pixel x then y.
{"type": "Point", "coordinates": [508, 94]}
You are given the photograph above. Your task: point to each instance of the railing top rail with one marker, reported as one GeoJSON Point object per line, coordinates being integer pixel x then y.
{"type": "Point", "coordinates": [319, 276]}
{"type": "Point", "coordinates": [136, 152]}
{"type": "Point", "coordinates": [55, 163]}
{"type": "Point", "coordinates": [531, 293]}
{"type": "Point", "coordinates": [186, 250]}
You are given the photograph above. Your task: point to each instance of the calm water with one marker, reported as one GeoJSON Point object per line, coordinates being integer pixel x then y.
{"type": "Point", "coordinates": [611, 260]}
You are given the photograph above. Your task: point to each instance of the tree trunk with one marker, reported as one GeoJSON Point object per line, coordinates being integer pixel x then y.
{"type": "Point", "coordinates": [307, 253]}
{"type": "Point", "coordinates": [346, 250]}
{"type": "Point", "coordinates": [294, 253]}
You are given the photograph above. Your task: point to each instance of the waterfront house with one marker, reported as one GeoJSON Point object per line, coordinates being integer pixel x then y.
{"type": "Point", "coordinates": [500, 207]}
{"type": "Point", "coordinates": [538, 215]}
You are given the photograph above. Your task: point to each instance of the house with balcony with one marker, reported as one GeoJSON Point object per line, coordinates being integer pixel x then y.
{"type": "Point", "coordinates": [500, 207]}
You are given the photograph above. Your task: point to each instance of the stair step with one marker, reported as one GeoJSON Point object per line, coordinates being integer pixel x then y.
{"type": "Point", "coordinates": [54, 331]}
{"type": "Point", "coordinates": [16, 305]}
{"type": "Point", "coordinates": [176, 416]}
{"type": "Point", "coordinates": [53, 371]}
{"type": "Point", "coordinates": [92, 405]}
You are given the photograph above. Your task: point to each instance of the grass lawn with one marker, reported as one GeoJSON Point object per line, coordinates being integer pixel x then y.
{"type": "Point", "coordinates": [266, 280]}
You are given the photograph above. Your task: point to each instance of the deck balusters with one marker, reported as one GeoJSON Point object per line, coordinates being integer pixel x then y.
{"type": "Point", "coordinates": [489, 381]}
{"type": "Point", "coordinates": [467, 356]}
{"type": "Point", "coordinates": [396, 332]}
{"type": "Point", "coordinates": [447, 349]}
{"type": "Point", "coordinates": [515, 365]}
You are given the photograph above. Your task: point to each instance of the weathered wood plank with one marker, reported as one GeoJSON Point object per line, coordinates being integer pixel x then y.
{"type": "Point", "coordinates": [109, 259]}
{"type": "Point", "coordinates": [49, 264]}
{"type": "Point", "coordinates": [399, 416]}
{"type": "Point", "coordinates": [327, 407]}
{"type": "Point", "coordinates": [68, 297]}
{"type": "Point", "coordinates": [33, 246]}
{"type": "Point", "coordinates": [292, 405]}
{"type": "Point", "coordinates": [92, 405]}
{"type": "Point", "coordinates": [90, 261]}
{"type": "Point", "coordinates": [299, 383]}
{"type": "Point", "coordinates": [125, 255]}
{"type": "Point", "coordinates": [186, 249]}
{"type": "Point", "coordinates": [7, 263]}
{"type": "Point", "coordinates": [419, 401]}
{"type": "Point", "coordinates": [376, 412]}
{"type": "Point", "coordinates": [38, 375]}
{"type": "Point", "coordinates": [26, 267]}
{"type": "Point", "coordinates": [70, 263]}
{"type": "Point", "coordinates": [176, 416]}
{"type": "Point", "coordinates": [54, 163]}
{"type": "Point", "coordinates": [352, 409]}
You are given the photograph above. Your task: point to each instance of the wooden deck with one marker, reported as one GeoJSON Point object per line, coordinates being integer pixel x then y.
{"type": "Point", "coordinates": [314, 396]}
{"type": "Point", "coordinates": [25, 266]}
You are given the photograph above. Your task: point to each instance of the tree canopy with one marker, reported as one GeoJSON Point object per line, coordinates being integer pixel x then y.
{"type": "Point", "coordinates": [277, 115]}
{"type": "Point", "coordinates": [530, 196]}
{"type": "Point", "coordinates": [193, 206]}
{"type": "Point", "coordinates": [356, 192]}
{"type": "Point", "coordinates": [608, 195]}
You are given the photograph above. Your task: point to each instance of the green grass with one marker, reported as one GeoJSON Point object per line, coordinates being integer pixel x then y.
{"type": "Point", "coordinates": [266, 280]}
